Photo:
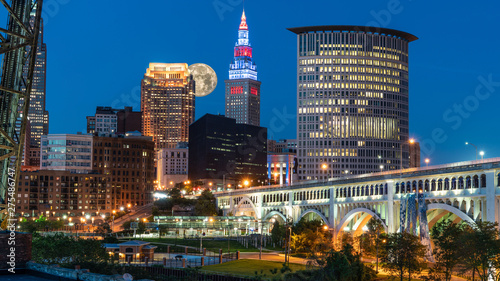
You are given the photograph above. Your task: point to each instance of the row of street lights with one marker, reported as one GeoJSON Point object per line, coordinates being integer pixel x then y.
{"type": "Point", "coordinates": [480, 152]}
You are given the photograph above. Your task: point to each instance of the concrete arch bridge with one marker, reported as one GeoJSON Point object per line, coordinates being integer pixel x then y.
{"type": "Point", "coordinates": [465, 191]}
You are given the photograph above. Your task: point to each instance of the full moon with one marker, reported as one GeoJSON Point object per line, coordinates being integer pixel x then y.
{"type": "Point", "coordinates": [204, 77]}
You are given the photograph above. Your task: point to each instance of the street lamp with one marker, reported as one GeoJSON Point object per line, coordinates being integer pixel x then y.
{"type": "Point", "coordinates": [246, 183]}
{"type": "Point", "coordinates": [468, 143]}
{"type": "Point", "coordinates": [410, 141]}
{"type": "Point", "coordinates": [325, 167]}
{"type": "Point", "coordinates": [482, 154]}
{"type": "Point", "coordinates": [381, 168]}
{"type": "Point", "coordinates": [427, 160]}
{"type": "Point", "coordinates": [113, 221]}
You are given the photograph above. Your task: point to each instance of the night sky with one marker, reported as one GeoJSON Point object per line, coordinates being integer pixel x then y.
{"type": "Point", "coordinates": [98, 52]}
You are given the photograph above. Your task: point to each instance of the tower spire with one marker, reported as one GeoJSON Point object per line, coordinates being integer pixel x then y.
{"type": "Point", "coordinates": [243, 24]}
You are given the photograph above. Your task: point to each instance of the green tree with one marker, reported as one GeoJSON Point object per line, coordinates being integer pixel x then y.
{"type": "Point", "coordinates": [403, 254]}
{"type": "Point", "coordinates": [40, 224]}
{"type": "Point", "coordinates": [343, 265]}
{"type": "Point", "coordinates": [103, 229]}
{"type": "Point", "coordinates": [311, 238]}
{"type": "Point", "coordinates": [304, 225]}
{"type": "Point", "coordinates": [141, 227]}
{"type": "Point", "coordinates": [155, 211]}
{"type": "Point", "coordinates": [446, 236]}
{"type": "Point", "coordinates": [164, 204]}
{"type": "Point", "coordinates": [480, 246]}
{"type": "Point", "coordinates": [60, 249]}
{"type": "Point", "coordinates": [375, 229]}
{"type": "Point", "coordinates": [205, 204]}
{"type": "Point", "coordinates": [175, 193]}
{"type": "Point", "coordinates": [278, 232]}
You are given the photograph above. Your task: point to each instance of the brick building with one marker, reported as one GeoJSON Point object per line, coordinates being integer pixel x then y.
{"type": "Point", "coordinates": [128, 165]}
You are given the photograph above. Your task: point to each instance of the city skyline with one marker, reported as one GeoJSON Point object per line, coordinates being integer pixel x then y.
{"type": "Point", "coordinates": [440, 68]}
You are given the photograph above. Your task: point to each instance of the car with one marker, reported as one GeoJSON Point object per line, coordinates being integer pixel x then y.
{"type": "Point", "coordinates": [178, 257]}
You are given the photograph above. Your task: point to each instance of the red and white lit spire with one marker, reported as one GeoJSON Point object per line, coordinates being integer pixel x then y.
{"type": "Point", "coordinates": [243, 24]}
{"type": "Point", "coordinates": [243, 65]}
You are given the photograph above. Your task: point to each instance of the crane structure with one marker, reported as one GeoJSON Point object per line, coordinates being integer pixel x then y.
{"type": "Point", "coordinates": [18, 48]}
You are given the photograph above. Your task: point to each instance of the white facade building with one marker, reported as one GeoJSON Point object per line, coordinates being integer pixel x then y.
{"type": "Point", "coordinates": [172, 166]}
{"type": "Point", "coordinates": [105, 123]}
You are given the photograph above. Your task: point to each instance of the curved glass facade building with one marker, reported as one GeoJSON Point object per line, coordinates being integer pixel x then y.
{"type": "Point", "coordinates": [352, 100]}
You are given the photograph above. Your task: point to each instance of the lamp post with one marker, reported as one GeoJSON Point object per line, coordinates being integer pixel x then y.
{"type": "Point", "coordinates": [410, 141]}
{"type": "Point", "coordinates": [381, 168]}
{"type": "Point", "coordinates": [113, 222]}
{"type": "Point", "coordinates": [482, 154]}
{"type": "Point", "coordinates": [468, 143]}
{"type": "Point", "coordinates": [261, 234]}
{"type": "Point", "coordinates": [325, 168]}
{"type": "Point", "coordinates": [427, 160]}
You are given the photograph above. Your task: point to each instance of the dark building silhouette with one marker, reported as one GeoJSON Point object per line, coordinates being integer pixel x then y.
{"type": "Point", "coordinates": [220, 148]}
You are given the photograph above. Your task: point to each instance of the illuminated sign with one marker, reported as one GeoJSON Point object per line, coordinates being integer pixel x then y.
{"type": "Point", "coordinates": [254, 91]}
{"type": "Point", "coordinates": [237, 90]}
{"type": "Point", "coordinates": [243, 51]}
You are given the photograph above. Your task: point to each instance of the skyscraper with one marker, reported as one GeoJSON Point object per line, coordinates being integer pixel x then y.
{"type": "Point", "coordinates": [167, 103]}
{"type": "Point", "coordinates": [242, 87]}
{"type": "Point", "coordinates": [219, 148]}
{"type": "Point", "coordinates": [352, 99]}
{"type": "Point", "coordinates": [38, 116]}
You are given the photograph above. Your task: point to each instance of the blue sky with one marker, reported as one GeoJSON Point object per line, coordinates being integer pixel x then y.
{"type": "Point", "coordinates": [98, 52]}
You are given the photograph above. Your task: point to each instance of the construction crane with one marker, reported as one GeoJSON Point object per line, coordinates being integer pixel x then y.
{"type": "Point", "coordinates": [18, 48]}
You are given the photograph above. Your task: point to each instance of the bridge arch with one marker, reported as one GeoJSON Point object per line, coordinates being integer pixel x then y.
{"type": "Point", "coordinates": [368, 214]}
{"type": "Point", "coordinates": [323, 218]}
{"type": "Point", "coordinates": [248, 200]}
{"type": "Point", "coordinates": [449, 209]}
{"type": "Point", "coordinates": [272, 214]}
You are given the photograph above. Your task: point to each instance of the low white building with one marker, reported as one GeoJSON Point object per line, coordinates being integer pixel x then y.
{"type": "Point", "coordinates": [172, 166]}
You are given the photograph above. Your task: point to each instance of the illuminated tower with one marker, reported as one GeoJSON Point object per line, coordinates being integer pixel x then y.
{"type": "Point", "coordinates": [167, 103]}
{"type": "Point", "coordinates": [242, 87]}
{"type": "Point", "coordinates": [352, 100]}
{"type": "Point", "coordinates": [37, 114]}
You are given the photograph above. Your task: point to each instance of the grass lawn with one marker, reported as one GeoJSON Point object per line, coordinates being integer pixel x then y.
{"type": "Point", "coordinates": [249, 267]}
{"type": "Point", "coordinates": [208, 243]}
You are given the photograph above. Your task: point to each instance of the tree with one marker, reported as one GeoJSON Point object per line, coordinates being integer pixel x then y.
{"type": "Point", "coordinates": [155, 211]}
{"type": "Point", "coordinates": [40, 224]}
{"type": "Point", "coordinates": [103, 229]}
{"type": "Point", "coordinates": [141, 227]}
{"type": "Point", "coordinates": [306, 225]}
{"type": "Point", "coordinates": [175, 193]}
{"type": "Point", "coordinates": [480, 246]}
{"type": "Point", "coordinates": [278, 232]}
{"type": "Point", "coordinates": [311, 238]}
{"type": "Point", "coordinates": [446, 236]}
{"type": "Point", "coordinates": [403, 254]}
{"type": "Point", "coordinates": [205, 204]}
{"type": "Point", "coordinates": [343, 265]}
{"type": "Point", "coordinates": [62, 249]}
{"type": "Point", "coordinates": [375, 228]}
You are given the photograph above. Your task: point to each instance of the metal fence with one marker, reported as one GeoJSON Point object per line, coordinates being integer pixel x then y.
{"type": "Point", "coordinates": [182, 260]}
